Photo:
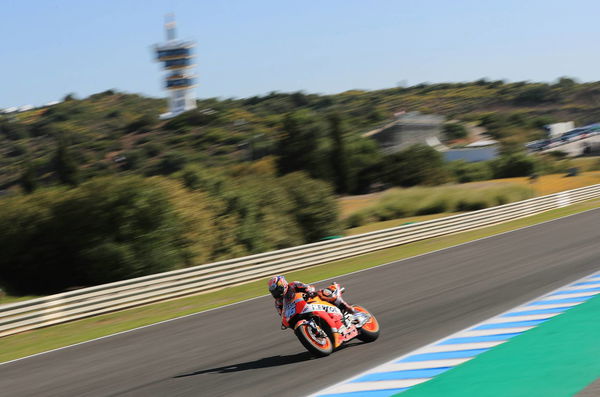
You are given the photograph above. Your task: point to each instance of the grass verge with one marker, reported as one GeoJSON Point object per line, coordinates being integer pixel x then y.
{"type": "Point", "coordinates": [545, 184]}
{"type": "Point", "coordinates": [36, 341]}
{"type": "Point", "coordinates": [4, 299]}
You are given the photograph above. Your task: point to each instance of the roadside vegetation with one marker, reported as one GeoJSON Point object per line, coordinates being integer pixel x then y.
{"type": "Point", "coordinates": [98, 189]}
{"type": "Point", "coordinates": [110, 228]}
{"type": "Point", "coordinates": [114, 133]}
{"type": "Point", "coordinates": [400, 203]}
{"type": "Point", "coordinates": [360, 213]}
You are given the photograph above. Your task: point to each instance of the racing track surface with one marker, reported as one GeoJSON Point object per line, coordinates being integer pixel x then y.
{"type": "Point", "coordinates": [240, 351]}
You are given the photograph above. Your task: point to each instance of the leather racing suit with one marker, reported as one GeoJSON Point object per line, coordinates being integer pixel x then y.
{"type": "Point", "coordinates": [330, 294]}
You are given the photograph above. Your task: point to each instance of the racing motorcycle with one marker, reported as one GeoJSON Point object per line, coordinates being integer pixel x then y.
{"type": "Point", "coordinates": [322, 327]}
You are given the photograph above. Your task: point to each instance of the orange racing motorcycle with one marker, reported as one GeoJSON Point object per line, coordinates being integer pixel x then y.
{"type": "Point", "coordinates": [322, 327]}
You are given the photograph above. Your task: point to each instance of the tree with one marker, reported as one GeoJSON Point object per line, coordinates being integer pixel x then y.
{"type": "Point", "coordinates": [141, 124]}
{"type": "Point", "coordinates": [535, 94]}
{"type": "Point", "coordinates": [315, 207]}
{"type": "Point", "coordinates": [105, 230]}
{"type": "Point", "coordinates": [28, 179]}
{"type": "Point", "coordinates": [566, 83]}
{"type": "Point", "coordinates": [417, 165]}
{"type": "Point", "coordinates": [65, 166]}
{"type": "Point", "coordinates": [339, 155]}
{"type": "Point", "coordinates": [298, 148]}
{"type": "Point", "coordinates": [455, 131]}
{"type": "Point", "coordinates": [364, 162]}
{"type": "Point", "coordinates": [172, 162]}
{"type": "Point", "coordinates": [470, 172]}
{"type": "Point", "coordinates": [513, 165]}
{"type": "Point", "coordinates": [13, 131]}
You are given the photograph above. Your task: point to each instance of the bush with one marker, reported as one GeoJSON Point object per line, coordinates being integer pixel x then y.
{"type": "Point", "coordinates": [17, 150]}
{"type": "Point", "coordinates": [141, 124]}
{"type": "Point", "coordinates": [455, 131]}
{"type": "Point", "coordinates": [357, 219]}
{"type": "Point", "coordinates": [172, 162]}
{"type": "Point", "coordinates": [535, 94]}
{"type": "Point", "coordinates": [513, 165]}
{"type": "Point", "coordinates": [134, 159]}
{"type": "Point", "coordinates": [315, 207]}
{"type": "Point", "coordinates": [417, 165]}
{"type": "Point", "coordinates": [13, 131]}
{"type": "Point", "coordinates": [153, 149]}
{"type": "Point", "coordinates": [192, 118]}
{"type": "Point", "coordinates": [107, 229]}
{"type": "Point", "coordinates": [471, 172]}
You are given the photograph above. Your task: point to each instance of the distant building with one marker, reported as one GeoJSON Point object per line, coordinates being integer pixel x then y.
{"type": "Point", "coordinates": [176, 56]}
{"type": "Point", "coordinates": [408, 129]}
{"type": "Point", "coordinates": [474, 152]}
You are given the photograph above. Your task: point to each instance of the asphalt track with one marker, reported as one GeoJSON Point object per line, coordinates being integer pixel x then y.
{"type": "Point", "coordinates": [239, 350]}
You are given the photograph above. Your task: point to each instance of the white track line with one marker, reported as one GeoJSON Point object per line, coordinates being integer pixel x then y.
{"type": "Point", "coordinates": [440, 349]}
{"type": "Point", "coordinates": [380, 384]}
{"type": "Point", "coordinates": [452, 362]}
{"type": "Point", "coordinates": [460, 346]}
{"type": "Point", "coordinates": [542, 307]}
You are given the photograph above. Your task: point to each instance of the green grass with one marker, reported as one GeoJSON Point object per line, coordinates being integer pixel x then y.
{"type": "Point", "coordinates": [399, 203]}
{"type": "Point", "coordinates": [5, 299]}
{"type": "Point", "coordinates": [31, 342]}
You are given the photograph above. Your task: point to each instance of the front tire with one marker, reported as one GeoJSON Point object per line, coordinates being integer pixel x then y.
{"type": "Point", "coordinates": [370, 330]}
{"type": "Point", "coordinates": [317, 344]}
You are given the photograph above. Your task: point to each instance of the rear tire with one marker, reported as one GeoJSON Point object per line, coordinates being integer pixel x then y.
{"type": "Point", "coordinates": [317, 345]}
{"type": "Point", "coordinates": [370, 330]}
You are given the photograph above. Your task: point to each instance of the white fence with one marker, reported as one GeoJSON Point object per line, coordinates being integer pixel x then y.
{"type": "Point", "coordinates": [68, 306]}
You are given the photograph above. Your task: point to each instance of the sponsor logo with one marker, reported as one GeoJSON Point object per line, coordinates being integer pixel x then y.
{"type": "Point", "coordinates": [315, 307]}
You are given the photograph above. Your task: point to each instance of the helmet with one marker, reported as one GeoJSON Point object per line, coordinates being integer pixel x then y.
{"type": "Point", "coordinates": [278, 286]}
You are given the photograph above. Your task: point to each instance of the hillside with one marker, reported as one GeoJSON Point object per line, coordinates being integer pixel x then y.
{"type": "Point", "coordinates": [112, 132]}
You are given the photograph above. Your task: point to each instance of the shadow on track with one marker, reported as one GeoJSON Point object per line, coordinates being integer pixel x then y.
{"type": "Point", "coordinates": [273, 361]}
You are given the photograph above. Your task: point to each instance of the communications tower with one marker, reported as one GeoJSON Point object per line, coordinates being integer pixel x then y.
{"type": "Point", "coordinates": [177, 56]}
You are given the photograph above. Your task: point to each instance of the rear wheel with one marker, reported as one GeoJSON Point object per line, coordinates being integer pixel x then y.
{"type": "Point", "coordinates": [370, 330]}
{"type": "Point", "coordinates": [314, 339]}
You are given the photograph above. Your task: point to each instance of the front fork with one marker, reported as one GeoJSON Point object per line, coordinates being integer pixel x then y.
{"type": "Point", "coordinates": [336, 336]}
{"type": "Point", "coordinates": [313, 326]}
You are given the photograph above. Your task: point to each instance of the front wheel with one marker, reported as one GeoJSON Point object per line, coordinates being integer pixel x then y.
{"type": "Point", "coordinates": [314, 339]}
{"type": "Point", "coordinates": [370, 330]}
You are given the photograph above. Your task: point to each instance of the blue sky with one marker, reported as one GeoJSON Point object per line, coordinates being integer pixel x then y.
{"type": "Point", "coordinates": [250, 47]}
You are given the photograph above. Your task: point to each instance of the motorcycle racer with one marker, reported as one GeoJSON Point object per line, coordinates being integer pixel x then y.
{"type": "Point", "coordinates": [281, 289]}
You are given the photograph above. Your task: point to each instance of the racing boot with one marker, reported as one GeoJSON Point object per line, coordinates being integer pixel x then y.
{"type": "Point", "coordinates": [358, 318]}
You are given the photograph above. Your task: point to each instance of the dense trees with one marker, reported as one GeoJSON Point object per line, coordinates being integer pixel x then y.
{"type": "Point", "coordinates": [109, 125]}
{"type": "Point", "coordinates": [28, 180]}
{"type": "Point", "coordinates": [324, 149]}
{"type": "Point", "coordinates": [64, 165]}
{"type": "Point", "coordinates": [298, 148]}
{"type": "Point", "coordinates": [339, 155]}
{"type": "Point", "coordinates": [416, 165]}
{"type": "Point", "coordinates": [454, 131]}
{"type": "Point", "coordinates": [113, 228]}
{"type": "Point", "coordinates": [105, 230]}
{"type": "Point", "coordinates": [244, 175]}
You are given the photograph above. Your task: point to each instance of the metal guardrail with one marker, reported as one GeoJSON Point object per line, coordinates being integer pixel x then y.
{"type": "Point", "coordinates": [68, 306]}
